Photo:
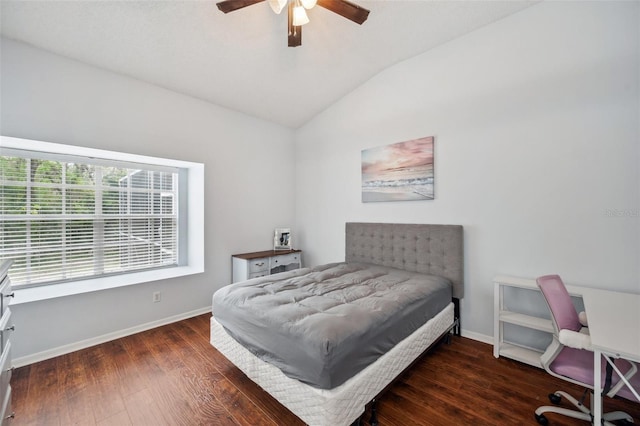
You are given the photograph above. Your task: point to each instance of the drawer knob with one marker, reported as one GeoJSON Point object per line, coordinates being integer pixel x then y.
{"type": "Point", "coordinates": [12, 294]}
{"type": "Point", "coordinates": [260, 264]}
{"type": "Point", "coordinates": [12, 328]}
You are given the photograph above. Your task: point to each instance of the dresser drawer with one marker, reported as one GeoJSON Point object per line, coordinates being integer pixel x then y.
{"type": "Point", "coordinates": [285, 259]}
{"type": "Point", "coordinates": [5, 294]}
{"type": "Point", "coordinates": [6, 325]}
{"type": "Point", "coordinates": [6, 328]}
{"type": "Point", "coordinates": [5, 372]}
{"type": "Point", "coordinates": [258, 265]}
{"type": "Point", "coordinates": [258, 274]}
{"type": "Point", "coordinates": [7, 409]}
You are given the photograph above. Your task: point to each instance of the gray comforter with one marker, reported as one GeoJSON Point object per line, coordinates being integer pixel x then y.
{"type": "Point", "coordinates": [323, 325]}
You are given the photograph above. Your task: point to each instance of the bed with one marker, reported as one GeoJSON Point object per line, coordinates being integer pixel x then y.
{"type": "Point", "coordinates": [326, 341]}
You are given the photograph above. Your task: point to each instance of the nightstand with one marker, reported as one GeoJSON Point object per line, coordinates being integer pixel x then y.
{"type": "Point", "coordinates": [262, 263]}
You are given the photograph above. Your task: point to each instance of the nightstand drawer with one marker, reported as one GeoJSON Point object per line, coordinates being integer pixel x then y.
{"type": "Point", "coordinates": [285, 259]}
{"type": "Point", "coordinates": [258, 274]}
{"type": "Point", "coordinates": [258, 265]}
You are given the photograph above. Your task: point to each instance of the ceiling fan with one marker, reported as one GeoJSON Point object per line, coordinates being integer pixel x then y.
{"type": "Point", "coordinates": [298, 16]}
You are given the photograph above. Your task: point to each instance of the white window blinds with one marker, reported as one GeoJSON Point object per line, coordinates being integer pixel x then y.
{"type": "Point", "coordinates": [66, 217]}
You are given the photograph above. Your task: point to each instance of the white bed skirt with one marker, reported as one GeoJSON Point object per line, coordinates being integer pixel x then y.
{"type": "Point", "coordinates": [341, 405]}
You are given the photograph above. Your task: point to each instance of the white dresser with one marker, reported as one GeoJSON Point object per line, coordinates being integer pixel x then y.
{"type": "Point", "coordinates": [262, 263]}
{"type": "Point", "coordinates": [6, 329]}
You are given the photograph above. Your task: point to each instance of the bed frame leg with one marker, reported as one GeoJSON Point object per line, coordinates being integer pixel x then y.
{"type": "Point", "coordinates": [374, 415]}
{"type": "Point", "coordinates": [456, 315]}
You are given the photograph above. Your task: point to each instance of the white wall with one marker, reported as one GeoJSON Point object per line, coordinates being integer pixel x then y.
{"type": "Point", "coordinates": [51, 98]}
{"type": "Point", "coordinates": [536, 119]}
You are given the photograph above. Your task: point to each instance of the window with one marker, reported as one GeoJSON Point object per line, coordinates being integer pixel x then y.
{"type": "Point", "coordinates": [68, 217]}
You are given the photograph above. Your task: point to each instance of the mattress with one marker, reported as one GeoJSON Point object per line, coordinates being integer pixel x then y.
{"type": "Point", "coordinates": [345, 403]}
{"type": "Point", "coordinates": [323, 325]}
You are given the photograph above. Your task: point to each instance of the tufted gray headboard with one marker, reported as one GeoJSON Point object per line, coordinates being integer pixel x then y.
{"type": "Point", "coordinates": [430, 249]}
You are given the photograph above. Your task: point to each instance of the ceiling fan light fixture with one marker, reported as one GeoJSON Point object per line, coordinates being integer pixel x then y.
{"type": "Point", "coordinates": [308, 4]}
{"type": "Point", "coordinates": [296, 14]}
{"type": "Point", "coordinates": [299, 15]}
{"type": "Point", "coordinates": [277, 5]}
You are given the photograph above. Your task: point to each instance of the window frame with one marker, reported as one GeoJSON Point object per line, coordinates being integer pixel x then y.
{"type": "Point", "coordinates": [190, 214]}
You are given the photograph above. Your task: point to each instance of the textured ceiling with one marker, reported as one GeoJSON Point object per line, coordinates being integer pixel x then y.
{"type": "Point", "coordinates": [241, 60]}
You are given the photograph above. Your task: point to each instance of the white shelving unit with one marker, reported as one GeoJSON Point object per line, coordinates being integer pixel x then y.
{"type": "Point", "coordinates": [504, 315]}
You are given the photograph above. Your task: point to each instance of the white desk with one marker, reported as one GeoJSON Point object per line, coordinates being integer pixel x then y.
{"type": "Point", "coordinates": [614, 327]}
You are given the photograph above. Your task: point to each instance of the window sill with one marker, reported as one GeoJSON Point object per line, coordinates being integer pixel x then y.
{"type": "Point", "coordinates": [52, 291]}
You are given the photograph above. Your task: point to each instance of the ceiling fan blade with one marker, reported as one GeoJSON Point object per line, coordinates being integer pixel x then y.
{"type": "Point", "coordinates": [227, 6]}
{"type": "Point", "coordinates": [294, 32]}
{"type": "Point", "coordinates": [347, 9]}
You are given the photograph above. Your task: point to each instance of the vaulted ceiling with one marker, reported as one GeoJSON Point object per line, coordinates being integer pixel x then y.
{"type": "Point", "coordinates": [241, 60]}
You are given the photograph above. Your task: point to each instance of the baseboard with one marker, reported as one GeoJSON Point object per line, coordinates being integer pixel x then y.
{"type": "Point", "coordinates": [83, 344]}
{"type": "Point", "coordinates": [477, 336]}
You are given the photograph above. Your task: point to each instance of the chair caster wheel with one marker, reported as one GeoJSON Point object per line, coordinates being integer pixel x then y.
{"type": "Point", "coordinates": [541, 419]}
{"type": "Point", "coordinates": [555, 399]}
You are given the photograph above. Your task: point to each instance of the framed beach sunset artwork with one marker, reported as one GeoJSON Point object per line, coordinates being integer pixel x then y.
{"type": "Point", "coordinates": [398, 172]}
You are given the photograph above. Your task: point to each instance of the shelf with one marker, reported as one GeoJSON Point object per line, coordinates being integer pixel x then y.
{"type": "Point", "coordinates": [504, 315]}
{"type": "Point", "coordinates": [510, 281]}
{"type": "Point", "coordinates": [530, 284]}
{"type": "Point", "coordinates": [528, 321]}
{"type": "Point", "coordinates": [522, 354]}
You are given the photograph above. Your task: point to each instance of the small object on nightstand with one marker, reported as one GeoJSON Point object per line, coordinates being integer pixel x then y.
{"type": "Point", "coordinates": [282, 239]}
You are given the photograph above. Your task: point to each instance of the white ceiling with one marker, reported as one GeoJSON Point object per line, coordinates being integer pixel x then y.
{"type": "Point", "coordinates": [241, 60]}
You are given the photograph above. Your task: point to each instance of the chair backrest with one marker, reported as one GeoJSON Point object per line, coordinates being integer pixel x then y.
{"type": "Point", "coordinates": [563, 313]}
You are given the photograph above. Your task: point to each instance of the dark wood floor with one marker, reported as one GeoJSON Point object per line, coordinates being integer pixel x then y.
{"type": "Point", "coordinates": [172, 376]}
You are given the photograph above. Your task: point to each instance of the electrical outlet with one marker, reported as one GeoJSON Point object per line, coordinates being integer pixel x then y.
{"type": "Point", "coordinates": [157, 296]}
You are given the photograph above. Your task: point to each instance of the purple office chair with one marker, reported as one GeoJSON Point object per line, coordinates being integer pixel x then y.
{"type": "Point", "coordinates": [570, 357]}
